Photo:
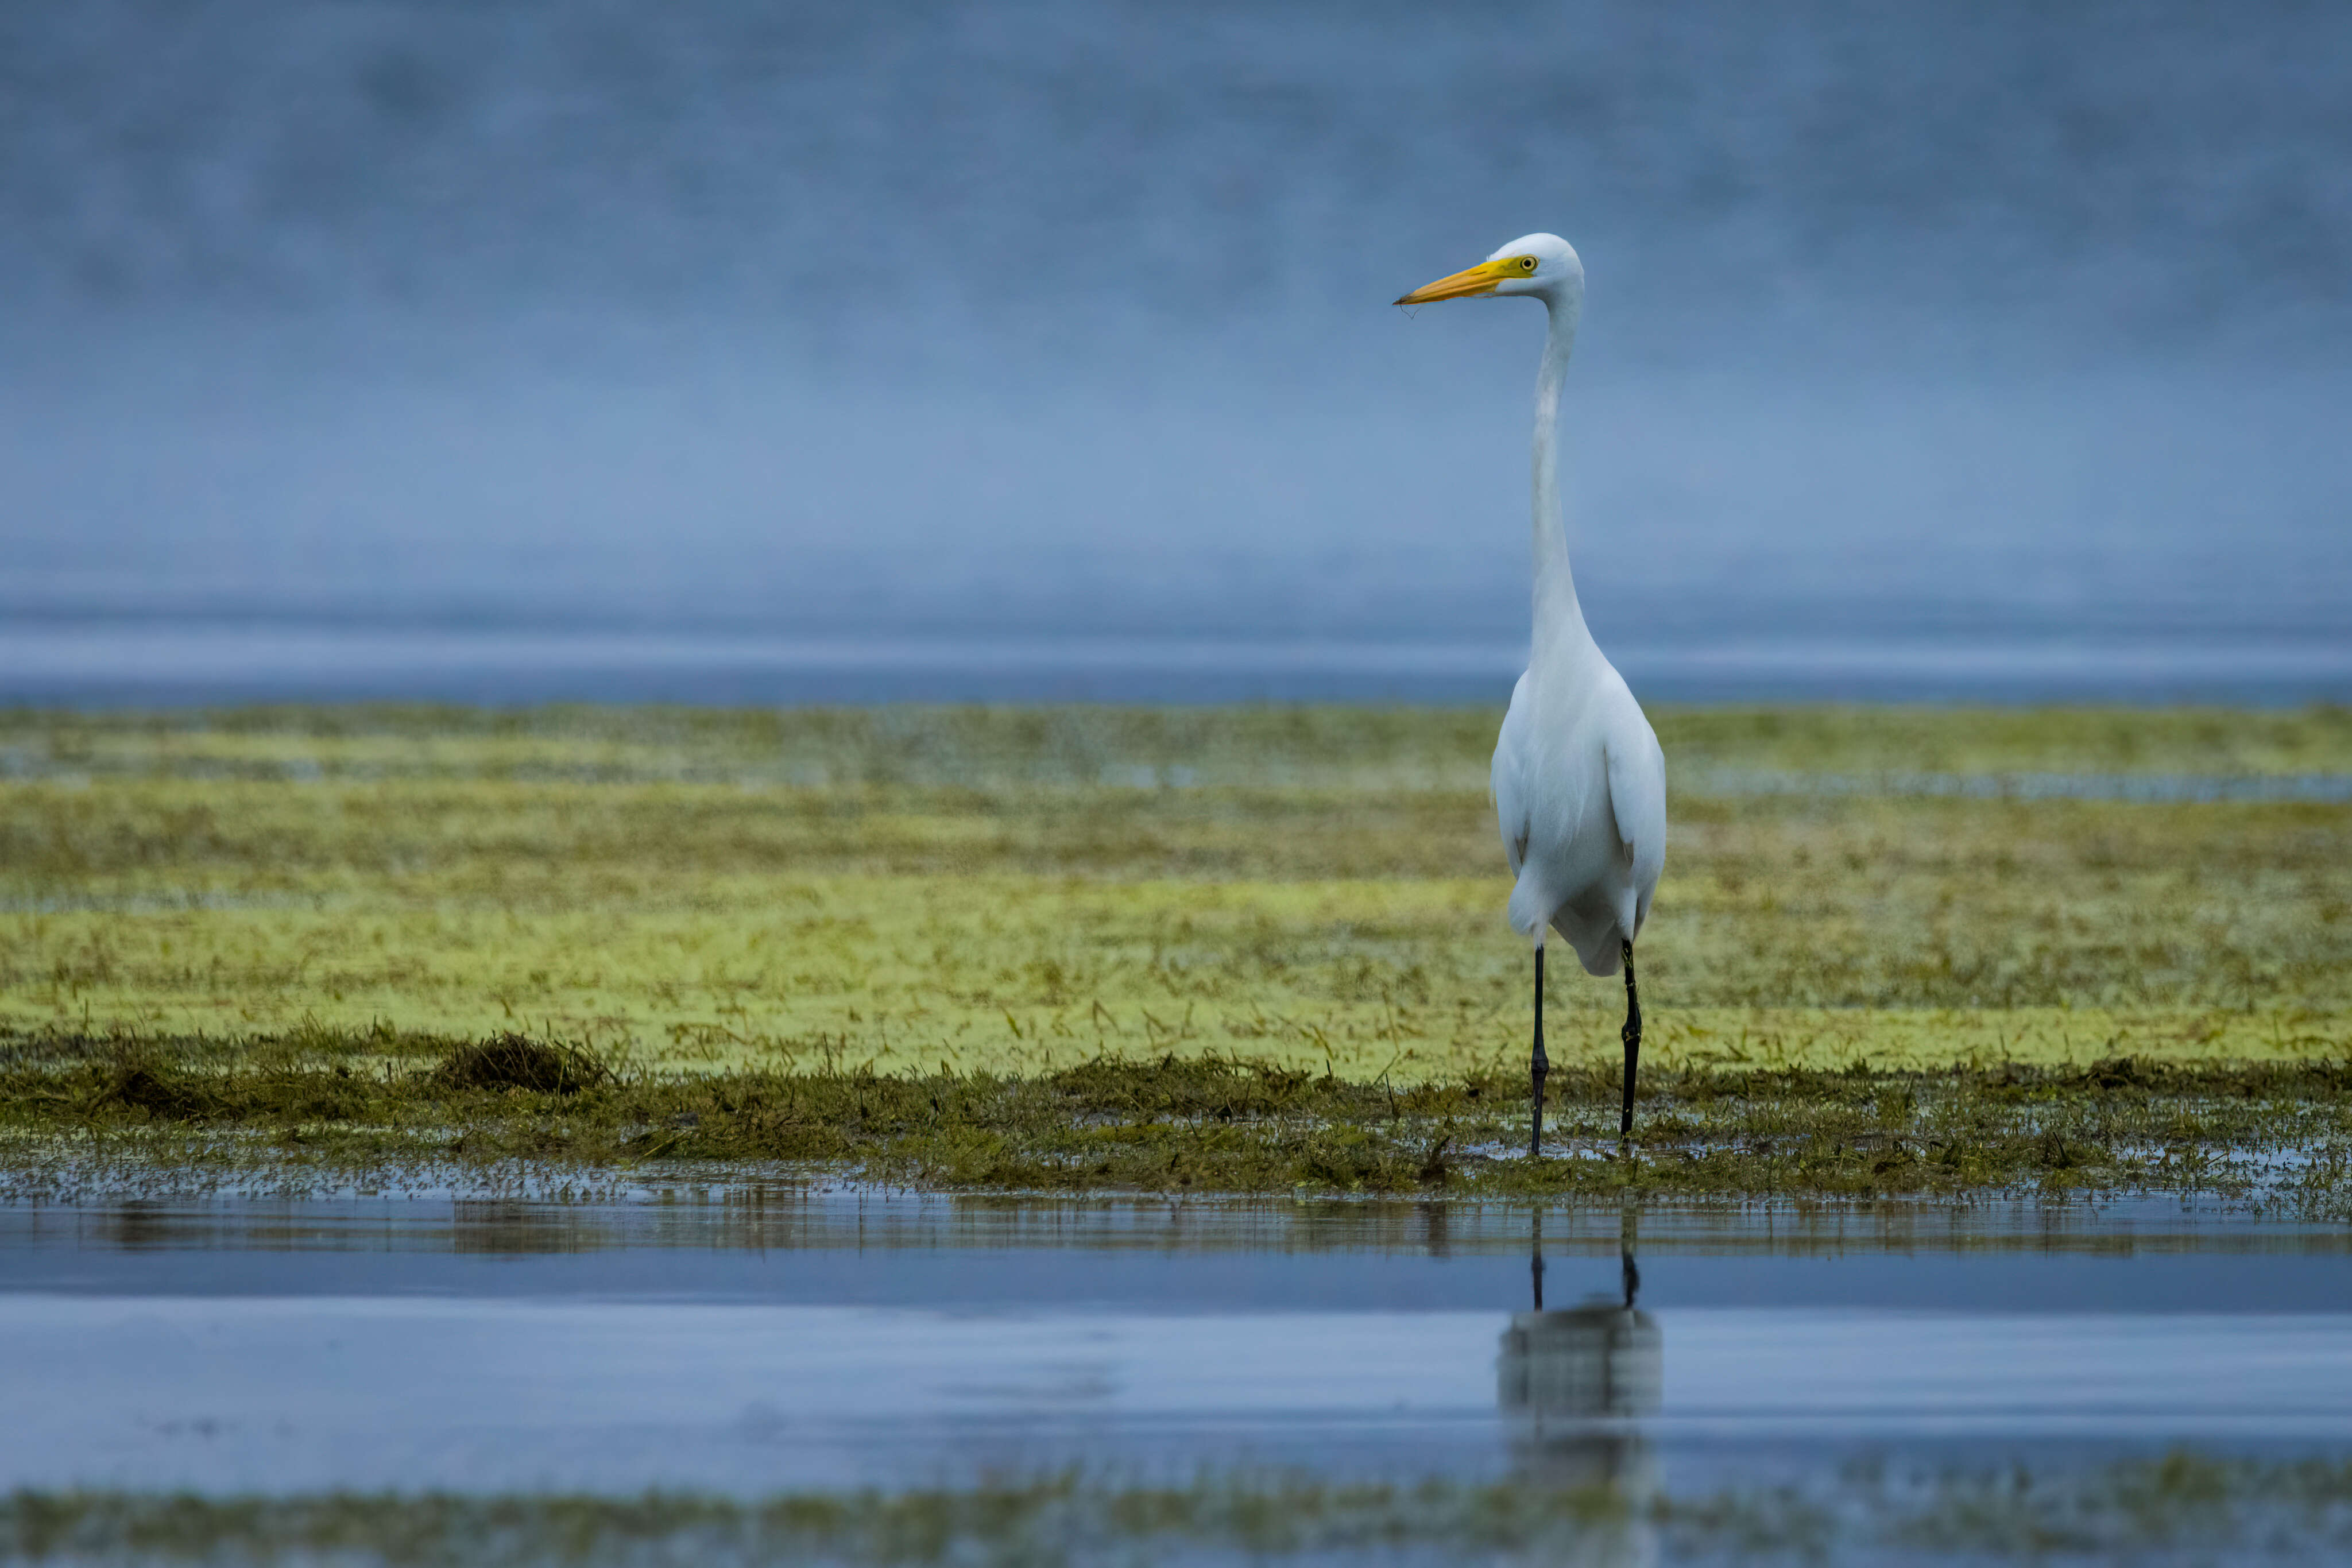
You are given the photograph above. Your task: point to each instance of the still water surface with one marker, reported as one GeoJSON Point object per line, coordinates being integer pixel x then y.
{"type": "Point", "coordinates": [1041, 351]}
{"type": "Point", "coordinates": [792, 1342]}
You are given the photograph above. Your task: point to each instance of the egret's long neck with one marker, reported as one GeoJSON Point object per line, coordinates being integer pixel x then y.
{"type": "Point", "coordinates": [1559, 620]}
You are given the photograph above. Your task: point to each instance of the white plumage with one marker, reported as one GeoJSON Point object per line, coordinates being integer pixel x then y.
{"type": "Point", "coordinates": [1581, 797]}
{"type": "Point", "coordinates": [1579, 780]}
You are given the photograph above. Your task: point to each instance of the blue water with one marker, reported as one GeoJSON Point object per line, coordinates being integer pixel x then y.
{"type": "Point", "coordinates": [784, 1341]}
{"type": "Point", "coordinates": [710, 353]}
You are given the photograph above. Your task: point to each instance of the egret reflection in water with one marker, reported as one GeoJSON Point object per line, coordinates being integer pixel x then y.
{"type": "Point", "coordinates": [1572, 1385]}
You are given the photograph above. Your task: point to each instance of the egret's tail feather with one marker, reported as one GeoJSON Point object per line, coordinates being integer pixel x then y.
{"type": "Point", "coordinates": [1594, 933]}
{"type": "Point", "coordinates": [1531, 908]}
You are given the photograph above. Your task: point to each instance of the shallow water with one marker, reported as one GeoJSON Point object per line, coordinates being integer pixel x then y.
{"type": "Point", "coordinates": [1043, 352]}
{"type": "Point", "coordinates": [161, 662]}
{"type": "Point", "coordinates": [776, 1342]}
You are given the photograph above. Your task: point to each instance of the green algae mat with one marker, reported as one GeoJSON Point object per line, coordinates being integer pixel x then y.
{"type": "Point", "coordinates": [1286, 906]}
{"type": "Point", "coordinates": [2177, 1506]}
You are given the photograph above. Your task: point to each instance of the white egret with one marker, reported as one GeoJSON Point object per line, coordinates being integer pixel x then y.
{"type": "Point", "coordinates": [1580, 781]}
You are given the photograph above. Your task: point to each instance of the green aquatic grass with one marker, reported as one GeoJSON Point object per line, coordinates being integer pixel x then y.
{"type": "Point", "coordinates": [2183, 1506]}
{"type": "Point", "coordinates": [965, 896]}
{"type": "Point", "coordinates": [1087, 745]}
{"type": "Point", "coordinates": [2279, 1134]}
{"type": "Point", "coordinates": [801, 890]}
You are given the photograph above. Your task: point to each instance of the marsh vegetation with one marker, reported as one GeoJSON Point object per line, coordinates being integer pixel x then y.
{"type": "Point", "coordinates": [1208, 949]}
{"type": "Point", "coordinates": [2180, 1506]}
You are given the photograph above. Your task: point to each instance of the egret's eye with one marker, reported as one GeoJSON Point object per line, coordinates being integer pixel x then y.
{"type": "Point", "coordinates": [1526, 264]}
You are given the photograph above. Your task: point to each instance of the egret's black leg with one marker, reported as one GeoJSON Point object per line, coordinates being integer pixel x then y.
{"type": "Point", "coordinates": [1631, 1035]}
{"type": "Point", "coordinates": [1538, 1066]}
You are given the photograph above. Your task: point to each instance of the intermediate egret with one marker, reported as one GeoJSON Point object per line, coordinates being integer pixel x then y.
{"type": "Point", "coordinates": [1580, 781]}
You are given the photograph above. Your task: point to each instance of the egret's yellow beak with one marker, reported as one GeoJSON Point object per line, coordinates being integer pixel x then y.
{"type": "Point", "coordinates": [1478, 279]}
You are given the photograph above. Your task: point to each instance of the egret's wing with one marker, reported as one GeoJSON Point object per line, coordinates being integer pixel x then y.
{"type": "Point", "coordinates": [1637, 796]}
{"type": "Point", "coordinates": [1510, 779]}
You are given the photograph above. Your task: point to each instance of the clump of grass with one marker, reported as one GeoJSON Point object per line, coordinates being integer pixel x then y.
{"type": "Point", "coordinates": [158, 1094]}
{"type": "Point", "coordinates": [511, 1061]}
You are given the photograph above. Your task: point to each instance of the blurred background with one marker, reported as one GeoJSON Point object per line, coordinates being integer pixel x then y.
{"type": "Point", "coordinates": [742, 352]}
